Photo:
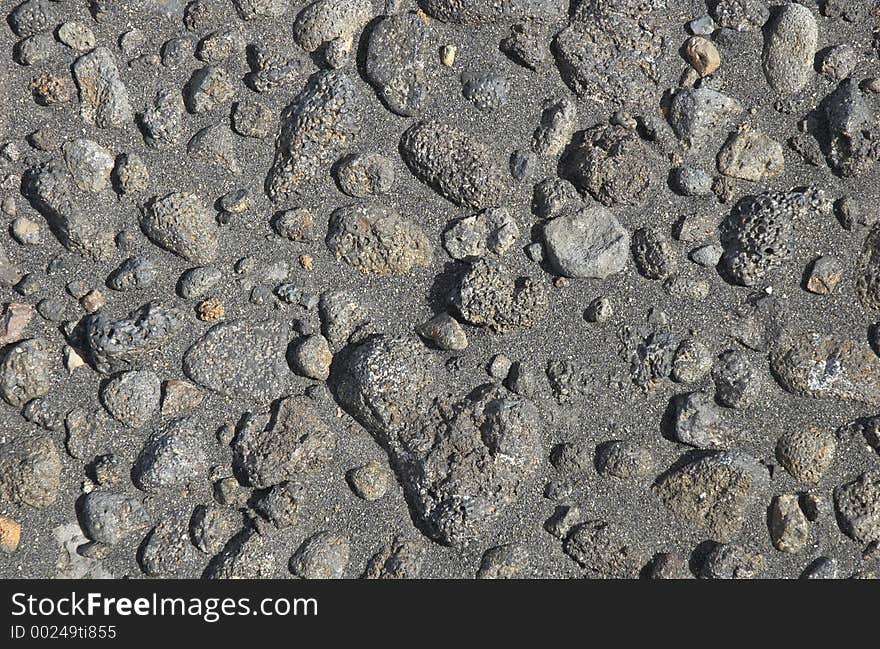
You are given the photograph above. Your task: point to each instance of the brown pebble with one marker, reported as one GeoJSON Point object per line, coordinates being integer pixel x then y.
{"type": "Point", "coordinates": [702, 54]}
{"type": "Point", "coordinates": [307, 262]}
{"type": "Point", "coordinates": [824, 275]}
{"type": "Point", "coordinates": [13, 320]}
{"type": "Point", "coordinates": [93, 301]}
{"type": "Point", "coordinates": [10, 535]}
{"type": "Point", "coordinates": [180, 396]}
{"type": "Point", "coordinates": [210, 310]}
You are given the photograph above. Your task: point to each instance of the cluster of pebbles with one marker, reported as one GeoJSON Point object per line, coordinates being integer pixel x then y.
{"type": "Point", "coordinates": [440, 288]}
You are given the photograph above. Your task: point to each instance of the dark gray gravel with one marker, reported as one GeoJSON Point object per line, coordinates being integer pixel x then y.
{"type": "Point", "coordinates": [431, 288]}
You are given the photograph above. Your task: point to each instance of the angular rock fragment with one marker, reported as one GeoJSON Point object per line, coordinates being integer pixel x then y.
{"type": "Point", "coordinates": [289, 443]}
{"type": "Point", "coordinates": [10, 535]}
{"type": "Point", "coordinates": [130, 175]}
{"type": "Point", "coordinates": [789, 531]}
{"type": "Point", "coordinates": [10, 273]}
{"type": "Point", "coordinates": [751, 155]}
{"type": "Point", "coordinates": [699, 421]}
{"type": "Point", "coordinates": [850, 138]}
{"type": "Point", "coordinates": [312, 358]}
{"type": "Point", "coordinates": [653, 253]}
{"type": "Point", "coordinates": [280, 504]}
{"type": "Point", "coordinates": [821, 568]}
{"type": "Point", "coordinates": [271, 68]}
{"type": "Point", "coordinates": [207, 89]}
{"type": "Point", "coordinates": [212, 526]}
{"type": "Point", "coordinates": [252, 119]}
{"type": "Point", "coordinates": [161, 122]}
{"type": "Point", "coordinates": [527, 45]}
{"type": "Point", "coordinates": [551, 196]}
{"type": "Point", "coordinates": [740, 15]}
{"type": "Point", "coordinates": [89, 163]}
{"type": "Point", "coordinates": [52, 191]}
{"type": "Point", "coordinates": [387, 385]}
{"type": "Point", "coordinates": [558, 122]}
{"type": "Point", "coordinates": [315, 127]}
{"type": "Point", "coordinates": [220, 45]}
{"type": "Point", "coordinates": [167, 550]}
{"type": "Point", "coordinates": [737, 382]}
{"type": "Point", "coordinates": [342, 318]}
{"type": "Point", "coordinates": [492, 231]}
{"type": "Point", "coordinates": [14, 318]}
{"type": "Point", "coordinates": [868, 275]}
{"type": "Point", "coordinates": [33, 16]}
{"type": "Point", "coordinates": [133, 274]}
{"type": "Point", "coordinates": [369, 481]}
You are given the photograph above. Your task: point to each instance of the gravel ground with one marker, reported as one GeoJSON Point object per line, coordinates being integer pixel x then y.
{"type": "Point", "coordinates": [450, 288]}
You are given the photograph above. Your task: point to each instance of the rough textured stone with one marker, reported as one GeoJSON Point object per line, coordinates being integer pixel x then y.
{"type": "Point", "coordinates": [25, 371]}
{"type": "Point", "coordinates": [320, 122]}
{"type": "Point", "coordinates": [172, 456]}
{"type": "Point", "coordinates": [489, 295]}
{"type": "Point", "coordinates": [858, 507]}
{"type": "Point", "coordinates": [376, 240]}
{"type": "Point", "coordinates": [180, 223]}
{"type": "Point", "coordinates": [103, 97]}
{"type": "Point", "coordinates": [454, 164]}
{"type": "Point", "coordinates": [396, 62]}
{"type": "Point", "coordinates": [387, 386]}
{"type": "Point", "coordinates": [240, 359]}
{"type": "Point", "coordinates": [826, 367]}
{"type": "Point", "coordinates": [789, 48]}
{"type": "Point", "coordinates": [713, 492]}
{"type": "Point", "coordinates": [287, 444]}
{"type": "Point", "coordinates": [30, 471]}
